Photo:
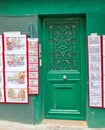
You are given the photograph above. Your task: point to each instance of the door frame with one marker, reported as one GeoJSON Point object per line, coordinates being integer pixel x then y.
{"type": "Point", "coordinates": [41, 41]}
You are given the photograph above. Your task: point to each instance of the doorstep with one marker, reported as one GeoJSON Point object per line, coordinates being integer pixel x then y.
{"type": "Point", "coordinates": [67, 123]}
{"type": "Point", "coordinates": [47, 125]}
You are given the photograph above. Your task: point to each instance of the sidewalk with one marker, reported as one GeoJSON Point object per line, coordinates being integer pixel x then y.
{"type": "Point", "coordinates": [5, 125]}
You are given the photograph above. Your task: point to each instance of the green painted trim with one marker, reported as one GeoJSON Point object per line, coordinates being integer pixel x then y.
{"type": "Point", "coordinates": [31, 7]}
{"type": "Point", "coordinates": [39, 99]}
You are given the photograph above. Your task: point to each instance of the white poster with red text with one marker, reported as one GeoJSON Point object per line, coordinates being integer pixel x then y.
{"type": "Point", "coordinates": [2, 96]}
{"type": "Point", "coordinates": [33, 65]}
{"type": "Point", "coordinates": [95, 70]}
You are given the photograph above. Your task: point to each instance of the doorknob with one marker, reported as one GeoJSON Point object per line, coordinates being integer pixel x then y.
{"type": "Point", "coordinates": [64, 77]}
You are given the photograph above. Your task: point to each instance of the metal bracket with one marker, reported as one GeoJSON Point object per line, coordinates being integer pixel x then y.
{"type": "Point", "coordinates": [40, 55]}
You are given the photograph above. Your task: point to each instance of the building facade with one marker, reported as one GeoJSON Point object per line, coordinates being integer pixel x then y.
{"type": "Point", "coordinates": [63, 67]}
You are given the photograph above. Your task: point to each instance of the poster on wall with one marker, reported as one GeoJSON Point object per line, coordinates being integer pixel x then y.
{"type": "Point", "coordinates": [2, 100]}
{"type": "Point", "coordinates": [103, 57]}
{"type": "Point", "coordinates": [19, 67]}
{"type": "Point", "coordinates": [16, 70]}
{"type": "Point", "coordinates": [14, 44]}
{"type": "Point", "coordinates": [33, 65]}
{"type": "Point", "coordinates": [1, 88]}
{"type": "Point", "coordinates": [1, 45]}
{"type": "Point", "coordinates": [95, 70]}
{"type": "Point", "coordinates": [15, 62]}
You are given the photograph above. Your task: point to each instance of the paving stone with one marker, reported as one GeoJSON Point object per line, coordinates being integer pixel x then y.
{"type": "Point", "coordinates": [72, 128]}
{"type": "Point", "coordinates": [39, 127]}
{"type": "Point", "coordinates": [18, 126]}
{"type": "Point", "coordinates": [57, 128]}
{"type": "Point", "coordinates": [3, 128]}
{"type": "Point", "coordinates": [48, 127]}
{"type": "Point", "coordinates": [65, 128]}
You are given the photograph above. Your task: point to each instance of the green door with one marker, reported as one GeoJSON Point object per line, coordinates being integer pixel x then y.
{"type": "Point", "coordinates": [64, 65]}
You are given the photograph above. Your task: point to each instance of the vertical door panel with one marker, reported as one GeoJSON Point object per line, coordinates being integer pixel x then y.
{"type": "Point", "coordinates": [64, 68]}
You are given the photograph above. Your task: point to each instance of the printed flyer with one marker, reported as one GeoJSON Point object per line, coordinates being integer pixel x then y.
{"type": "Point", "coordinates": [2, 100]}
{"type": "Point", "coordinates": [1, 45]}
{"type": "Point", "coordinates": [16, 95]}
{"type": "Point", "coordinates": [1, 88]}
{"type": "Point", "coordinates": [16, 78]}
{"type": "Point", "coordinates": [14, 44]}
{"type": "Point", "coordinates": [95, 69]}
{"type": "Point", "coordinates": [15, 61]}
{"type": "Point", "coordinates": [16, 72]}
{"type": "Point", "coordinates": [33, 65]}
{"type": "Point", "coordinates": [19, 68]}
{"type": "Point", "coordinates": [103, 56]}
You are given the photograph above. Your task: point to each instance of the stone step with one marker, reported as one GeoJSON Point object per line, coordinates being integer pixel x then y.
{"type": "Point", "coordinates": [69, 123]}
{"type": "Point", "coordinates": [46, 125]}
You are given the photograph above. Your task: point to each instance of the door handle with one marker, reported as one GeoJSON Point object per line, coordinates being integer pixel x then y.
{"type": "Point", "coordinates": [64, 77]}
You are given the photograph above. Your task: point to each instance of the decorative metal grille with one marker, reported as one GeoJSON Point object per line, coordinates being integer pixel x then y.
{"type": "Point", "coordinates": [62, 46]}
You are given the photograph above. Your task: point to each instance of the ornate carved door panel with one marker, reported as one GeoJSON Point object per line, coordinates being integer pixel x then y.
{"type": "Point", "coordinates": [64, 67]}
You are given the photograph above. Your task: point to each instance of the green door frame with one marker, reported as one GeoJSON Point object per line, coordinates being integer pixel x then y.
{"type": "Point", "coordinates": [39, 102]}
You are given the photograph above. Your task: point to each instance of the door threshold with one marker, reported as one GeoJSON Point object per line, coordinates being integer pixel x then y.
{"type": "Point", "coordinates": [68, 123]}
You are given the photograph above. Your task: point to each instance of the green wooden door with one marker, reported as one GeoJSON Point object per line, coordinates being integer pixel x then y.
{"type": "Point", "coordinates": [64, 64]}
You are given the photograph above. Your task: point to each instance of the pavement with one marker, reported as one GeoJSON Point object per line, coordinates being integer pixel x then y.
{"type": "Point", "coordinates": [45, 125]}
